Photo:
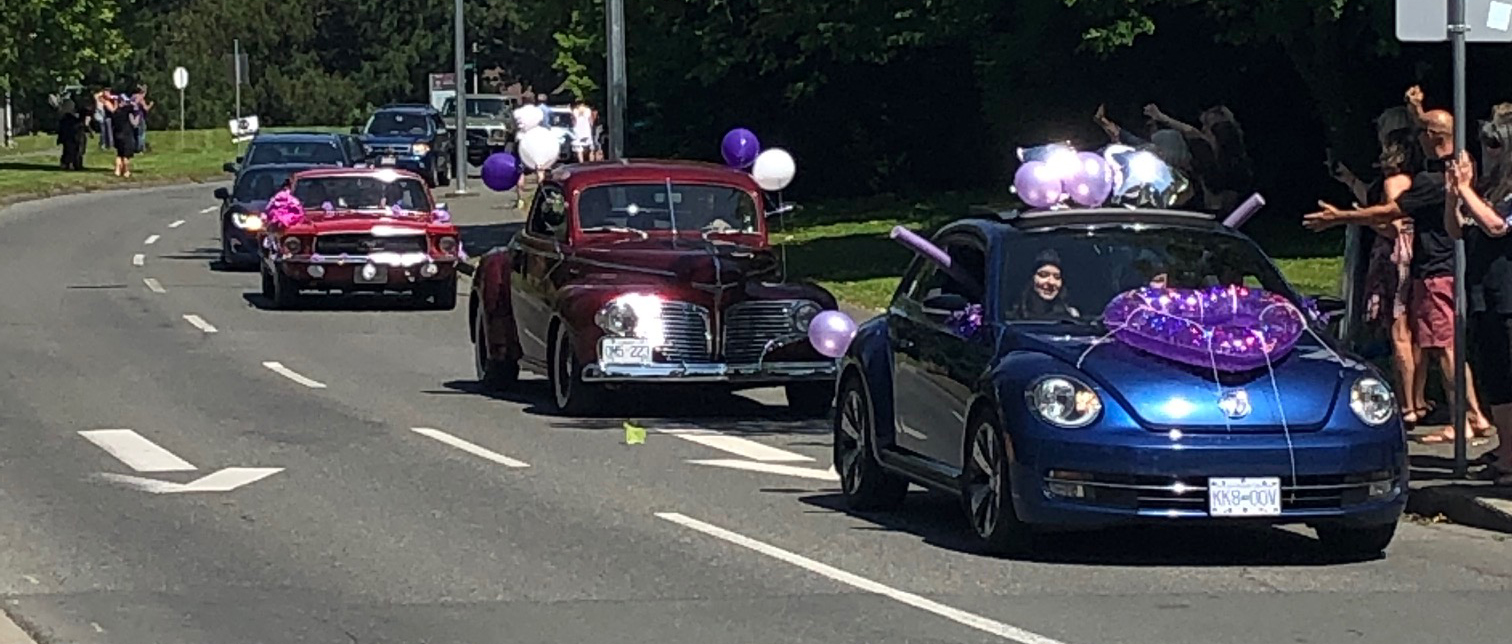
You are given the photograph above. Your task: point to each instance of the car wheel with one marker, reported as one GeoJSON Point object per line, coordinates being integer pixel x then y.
{"type": "Point", "coordinates": [1356, 542]}
{"type": "Point", "coordinates": [267, 283]}
{"type": "Point", "coordinates": [863, 481]}
{"type": "Point", "coordinates": [443, 295]}
{"type": "Point", "coordinates": [444, 177]}
{"type": "Point", "coordinates": [986, 495]}
{"type": "Point", "coordinates": [571, 395]}
{"type": "Point", "coordinates": [225, 251]}
{"type": "Point", "coordinates": [285, 290]}
{"type": "Point", "coordinates": [809, 398]}
{"type": "Point", "coordinates": [493, 374]}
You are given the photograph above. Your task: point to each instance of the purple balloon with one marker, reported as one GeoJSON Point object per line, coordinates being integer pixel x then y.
{"type": "Point", "coordinates": [501, 171]}
{"type": "Point", "coordinates": [831, 333]}
{"type": "Point", "coordinates": [1228, 328]}
{"type": "Point", "coordinates": [1037, 185]}
{"type": "Point", "coordinates": [1091, 184]}
{"type": "Point", "coordinates": [440, 216]}
{"type": "Point", "coordinates": [740, 148]}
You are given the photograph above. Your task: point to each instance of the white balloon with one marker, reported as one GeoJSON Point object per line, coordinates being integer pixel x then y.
{"type": "Point", "coordinates": [774, 169]}
{"type": "Point", "coordinates": [539, 148]}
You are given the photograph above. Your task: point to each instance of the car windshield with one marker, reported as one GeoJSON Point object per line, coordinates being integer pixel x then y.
{"type": "Point", "coordinates": [1072, 274]}
{"type": "Point", "coordinates": [260, 185]}
{"type": "Point", "coordinates": [307, 152]}
{"type": "Point", "coordinates": [658, 206]}
{"type": "Point", "coordinates": [561, 119]}
{"type": "Point", "coordinates": [363, 193]}
{"type": "Point", "coordinates": [384, 123]}
{"type": "Point", "coordinates": [478, 107]}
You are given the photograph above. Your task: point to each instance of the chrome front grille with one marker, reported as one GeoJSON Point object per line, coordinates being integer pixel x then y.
{"type": "Point", "coordinates": [749, 326]}
{"type": "Point", "coordinates": [686, 330]}
{"type": "Point", "coordinates": [1164, 494]}
{"type": "Point", "coordinates": [389, 149]}
{"type": "Point", "coordinates": [362, 244]}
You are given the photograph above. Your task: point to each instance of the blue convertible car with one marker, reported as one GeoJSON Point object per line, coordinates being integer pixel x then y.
{"type": "Point", "coordinates": [993, 375]}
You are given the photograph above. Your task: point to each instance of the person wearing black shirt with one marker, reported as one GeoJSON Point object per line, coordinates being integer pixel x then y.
{"type": "Point", "coordinates": [1488, 276]}
{"type": "Point", "coordinates": [1435, 227]}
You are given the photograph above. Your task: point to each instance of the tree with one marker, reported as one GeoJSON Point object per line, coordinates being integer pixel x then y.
{"type": "Point", "coordinates": [47, 43]}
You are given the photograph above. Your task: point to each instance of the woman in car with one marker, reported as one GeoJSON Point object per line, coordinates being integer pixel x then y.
{"type": "Point", "coordinates": [1045, 296]}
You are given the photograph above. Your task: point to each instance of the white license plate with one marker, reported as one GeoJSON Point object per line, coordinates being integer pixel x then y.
{"type": "Point", "coordinates": [1244, 497]}
{"type": "Point", "coordinates": [625, 351]}
{"type": "Point", "coordinates": [388, 160]}
{"type": "Point", "coordinates": [380, 277]}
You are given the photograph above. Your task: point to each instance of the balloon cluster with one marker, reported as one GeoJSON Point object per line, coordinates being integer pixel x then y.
{"type": "Point", "coordinates": [1226, 328]}
{"type": "Point", "coordinates": [1056, 173]}
{"type": "Point", "coordinates": [773, 169]}
{"type": "Point", "coordinates": [539, 149]}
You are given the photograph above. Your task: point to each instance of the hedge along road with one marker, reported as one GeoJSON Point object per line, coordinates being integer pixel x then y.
{"type": "Point", "coordinates": [332, 475]}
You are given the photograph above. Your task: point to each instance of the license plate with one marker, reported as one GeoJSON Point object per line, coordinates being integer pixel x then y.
{"type": "Point", "coordinates": [1244, 497]}
{"type": "Point", "coordinates": [625, 351]}
{"type": "Point", "coordinates": [379, 277]}
{"type": "Point", "coordinates": [389, 160]}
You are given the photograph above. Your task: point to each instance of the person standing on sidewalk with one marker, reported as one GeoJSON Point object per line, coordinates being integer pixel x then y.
{"type": "Point", "coordinates": [143, 106]}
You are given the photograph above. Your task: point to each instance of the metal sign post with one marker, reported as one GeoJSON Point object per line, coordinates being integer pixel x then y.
{"type": "Point", "coordinates": [615, 16]}
{"type": "Point", "coordinates": [236, 64]}
{"type": "Point", "coordinates": [459, 165]}
{"type": "Point", "coordinates": [180, 81]}
{"type": "Point", "coordinates": [1459, 22]}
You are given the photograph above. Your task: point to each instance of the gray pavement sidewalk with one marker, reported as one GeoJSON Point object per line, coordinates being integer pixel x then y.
{"type": "Point", "coordinates": [1437, 493]}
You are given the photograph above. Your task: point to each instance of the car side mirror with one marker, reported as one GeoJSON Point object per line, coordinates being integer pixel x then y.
{"type": "Point", "coordinates": [783, 210]}
{"type": "Point", "coordinates": [222, 194]}
{"type": "Point", "coordinates": [944, 304]}
{"type": "Point", "coordinates": [1329, 305]}
{"type": "Point", "coordinates": [229, 167]}
{"type": "Point", "coordinates": [356, 130]}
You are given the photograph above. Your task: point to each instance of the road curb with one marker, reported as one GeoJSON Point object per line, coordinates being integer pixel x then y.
{"type": "Point", "coordinates": [134, 184]}
{"type": "Point", "coordinates": [1464, 505]}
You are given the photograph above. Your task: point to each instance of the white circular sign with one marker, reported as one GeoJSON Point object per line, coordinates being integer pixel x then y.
{"type": "Point", "coordinates": [180, 78]}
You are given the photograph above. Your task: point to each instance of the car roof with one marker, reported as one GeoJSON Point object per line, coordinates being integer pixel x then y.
{"type": "Point", "coordinates": [288, 167]}
{"type": "Point", "coordinates": [294, 137]}
{"type": "Point", "coordinates": [407, 107]}
{"type": "Point", "coordinates": [336, 171]}
{"type": "Point", "coordinates": [580, 175]}
{"type": "Point", "coordinates": [991, 219]}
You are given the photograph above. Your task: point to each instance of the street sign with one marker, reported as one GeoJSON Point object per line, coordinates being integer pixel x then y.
{"type": "Point", "coordinates": [244, 128]}
{"type": "Point", "coordinates": [180, 78]}
{"type": "Point", "coordinates": [1428, 21]}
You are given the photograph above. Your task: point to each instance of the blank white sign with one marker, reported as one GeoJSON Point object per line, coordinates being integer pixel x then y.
{"type": "Point", "coordinates": [1428, 20]}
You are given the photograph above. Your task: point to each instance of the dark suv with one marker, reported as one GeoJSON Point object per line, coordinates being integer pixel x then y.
{"type": "Point", "coordinates": [306, 148]}
{"type": "Point", "coordinates": [412, 137]}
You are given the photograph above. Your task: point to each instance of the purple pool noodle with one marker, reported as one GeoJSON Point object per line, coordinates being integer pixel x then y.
{"type": "Point", "coordinates": [1244, 211]}
{"type": "Point", "coordinates": [920, 245]}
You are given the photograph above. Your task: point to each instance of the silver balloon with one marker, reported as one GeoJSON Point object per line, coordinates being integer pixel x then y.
{"type": "Point", "coordinates": [1042, 153]}
{"type": "Point", "coordinates": [1146, 181]}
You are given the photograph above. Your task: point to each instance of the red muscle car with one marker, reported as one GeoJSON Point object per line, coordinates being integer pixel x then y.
{"type": "Point", "coordinates": [364, 229]}
{"type": "Point", "coordinates": [646, 272]}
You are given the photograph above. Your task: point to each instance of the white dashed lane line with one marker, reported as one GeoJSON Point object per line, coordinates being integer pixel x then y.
{"type": "Point", "coordinates": [470, 448]}
{"type": "Point", "coordinates": [138, 259]}
{"type": "Point", "coordinates": [154, 286]}
{"type": "Point", "coordinates": [209, 209]}
{"type": "Point", "coordinates": [278, 368]}
{"type": "Point", "coordinates": [152, 239]}
{"type": "Point", "coordinates": [176, 224]}
{"type": "Point", "coordinates": [200, 323]}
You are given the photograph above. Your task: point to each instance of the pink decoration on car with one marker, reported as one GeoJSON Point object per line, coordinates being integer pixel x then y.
{"type": "Point", "coordinates": [1224, 328]}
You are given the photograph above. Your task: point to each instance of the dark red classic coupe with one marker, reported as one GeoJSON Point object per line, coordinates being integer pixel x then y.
{"type": "Point", "coordinates": [364, 230]}
{"type": "Point", "coordinates": [646, 271]}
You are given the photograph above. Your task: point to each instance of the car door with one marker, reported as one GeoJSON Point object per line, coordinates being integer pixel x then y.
{"type": "Point", "coordinates": [537, 253]}
{"type": "Point", "coordinates": [936, 359]}
{"type": "Point", "coordinates": [356, 152]}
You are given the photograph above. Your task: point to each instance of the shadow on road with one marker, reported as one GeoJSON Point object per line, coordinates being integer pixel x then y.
{"type": "Point", "coordinates": [359, 303]}
{"type": "Point", "coordinates": [937, 519]}
{"type": "Point", "coordinates": [478, 239]}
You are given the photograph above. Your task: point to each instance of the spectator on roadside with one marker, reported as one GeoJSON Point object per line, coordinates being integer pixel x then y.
{"type": "Point", "coordinates": [123, 130]}
{"type": "Point", "coordinates": [102, 116]}
{"type": "Point", "coordinates": [542, 101]}
{"type": "Point", "coordinates": [1219, 157]}
{"type": "Point", "coordinates": [1168, 144]}
{"type": "Point", "coordinates": [71, 123]}
{"type": "Point", "coordinates": [582, 130]}
{"type": "Point", "coordinates": [143, 106]}
{"type": "Point", "coordinates": [1431, 304]}
{"type": "Point", "coordinates": [1487, 204]}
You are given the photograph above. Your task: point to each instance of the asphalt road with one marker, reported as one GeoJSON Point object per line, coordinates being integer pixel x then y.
{"type": "Point", "coordinates": [536, 529]}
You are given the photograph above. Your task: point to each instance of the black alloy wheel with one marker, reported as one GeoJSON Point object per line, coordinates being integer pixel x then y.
{"type": "Point", "coordinates": [863, 481]}
{"type": "Point", "coordinates": [986, 495]}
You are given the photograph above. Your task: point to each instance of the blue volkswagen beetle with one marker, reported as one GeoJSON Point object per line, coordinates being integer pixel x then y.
{"type": "Point", "coordinates": [993, 375]}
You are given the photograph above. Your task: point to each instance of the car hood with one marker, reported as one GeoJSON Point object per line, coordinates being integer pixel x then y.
{"type": "Point", "coordinates": [250, 205]}
{"type": "Point", "coordinates": [340, 222]}
{"type": "Point", "coordinates": [659, 261]}
{"type": "Point", "coordinates": [394, 139]}
{"type": "Point", "coordinates": [1164, 395]}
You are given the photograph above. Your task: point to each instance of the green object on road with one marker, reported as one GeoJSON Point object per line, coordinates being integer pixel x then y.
{"type": "Point", "coordinates": [634, 435]}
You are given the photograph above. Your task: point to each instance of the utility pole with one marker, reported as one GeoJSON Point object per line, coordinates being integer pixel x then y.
{"type": "Point", "coordinates": [615, 15]}
{"type": "Point", "coordinates": [1458, 28]}
{"type": "Point", "coordinates": [236, 64]}
{"type": "Point", "coordinates": [459, 165]}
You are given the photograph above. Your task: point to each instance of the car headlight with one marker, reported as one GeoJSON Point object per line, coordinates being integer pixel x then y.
{"type": "Point", "coordinates": [250, 222]}
{"type": "Point", "coordinates": [420, 149]}
{"type": "Point", "coordinates": [632, 315]}
{"type": "Point", "coordinates": [447, 245]}
{"type": "Point", "coordinates": [1064, 402]}
{"type": "Point", "coordinates": [1372, 401]}
{"type": "Point", "coordinates": [291, 245]}
{"type": "Point", "coordinates": [803, 315]}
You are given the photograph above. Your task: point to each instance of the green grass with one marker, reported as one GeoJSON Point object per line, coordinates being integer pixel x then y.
{"type": "Point", "coordinates": [844, 246]}
{"type": "Point", "coordinates": [31, 170]}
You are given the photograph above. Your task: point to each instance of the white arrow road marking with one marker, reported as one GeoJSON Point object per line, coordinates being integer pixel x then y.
{"type": "Point", "coordinates": [278, 368]}
{"type": "Point", "coordinates": [138, 259]}
{"type": "Point", "coordinates": [200, 323]}
{"type": "Point", "coordinates": [136, 451]}
{"type": "Point", "coordinates": [470, 448]}
{"type": "Point", "coordinates": [209, 209]}
{"type": "Point", "coordinates": [151, 239]}
{"type": "Point", "coordinates": [223, 481]}
{"type": "Point", "coordinates": [154, 285]}
{"type": "Point", "coordinates": [772, 468]}
{"type": "Point", "coordinates": [736, 445]}
{"type": "Point", "coordinates": [176, 223]}
{"type": "Point", "coordinates": [1005, 631]}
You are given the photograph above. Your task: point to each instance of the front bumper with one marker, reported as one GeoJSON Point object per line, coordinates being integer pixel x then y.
{"type": "Point", "coordinates": [764, 373]}
{"type": "Point", "coordinates": [241, 246]}
{"type": "Point", "coordinates": [420, 165]}
{"type": "Point", "coordinates": [1088, 478]}
{"type": "Point", "coordinates": [345, 273]}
